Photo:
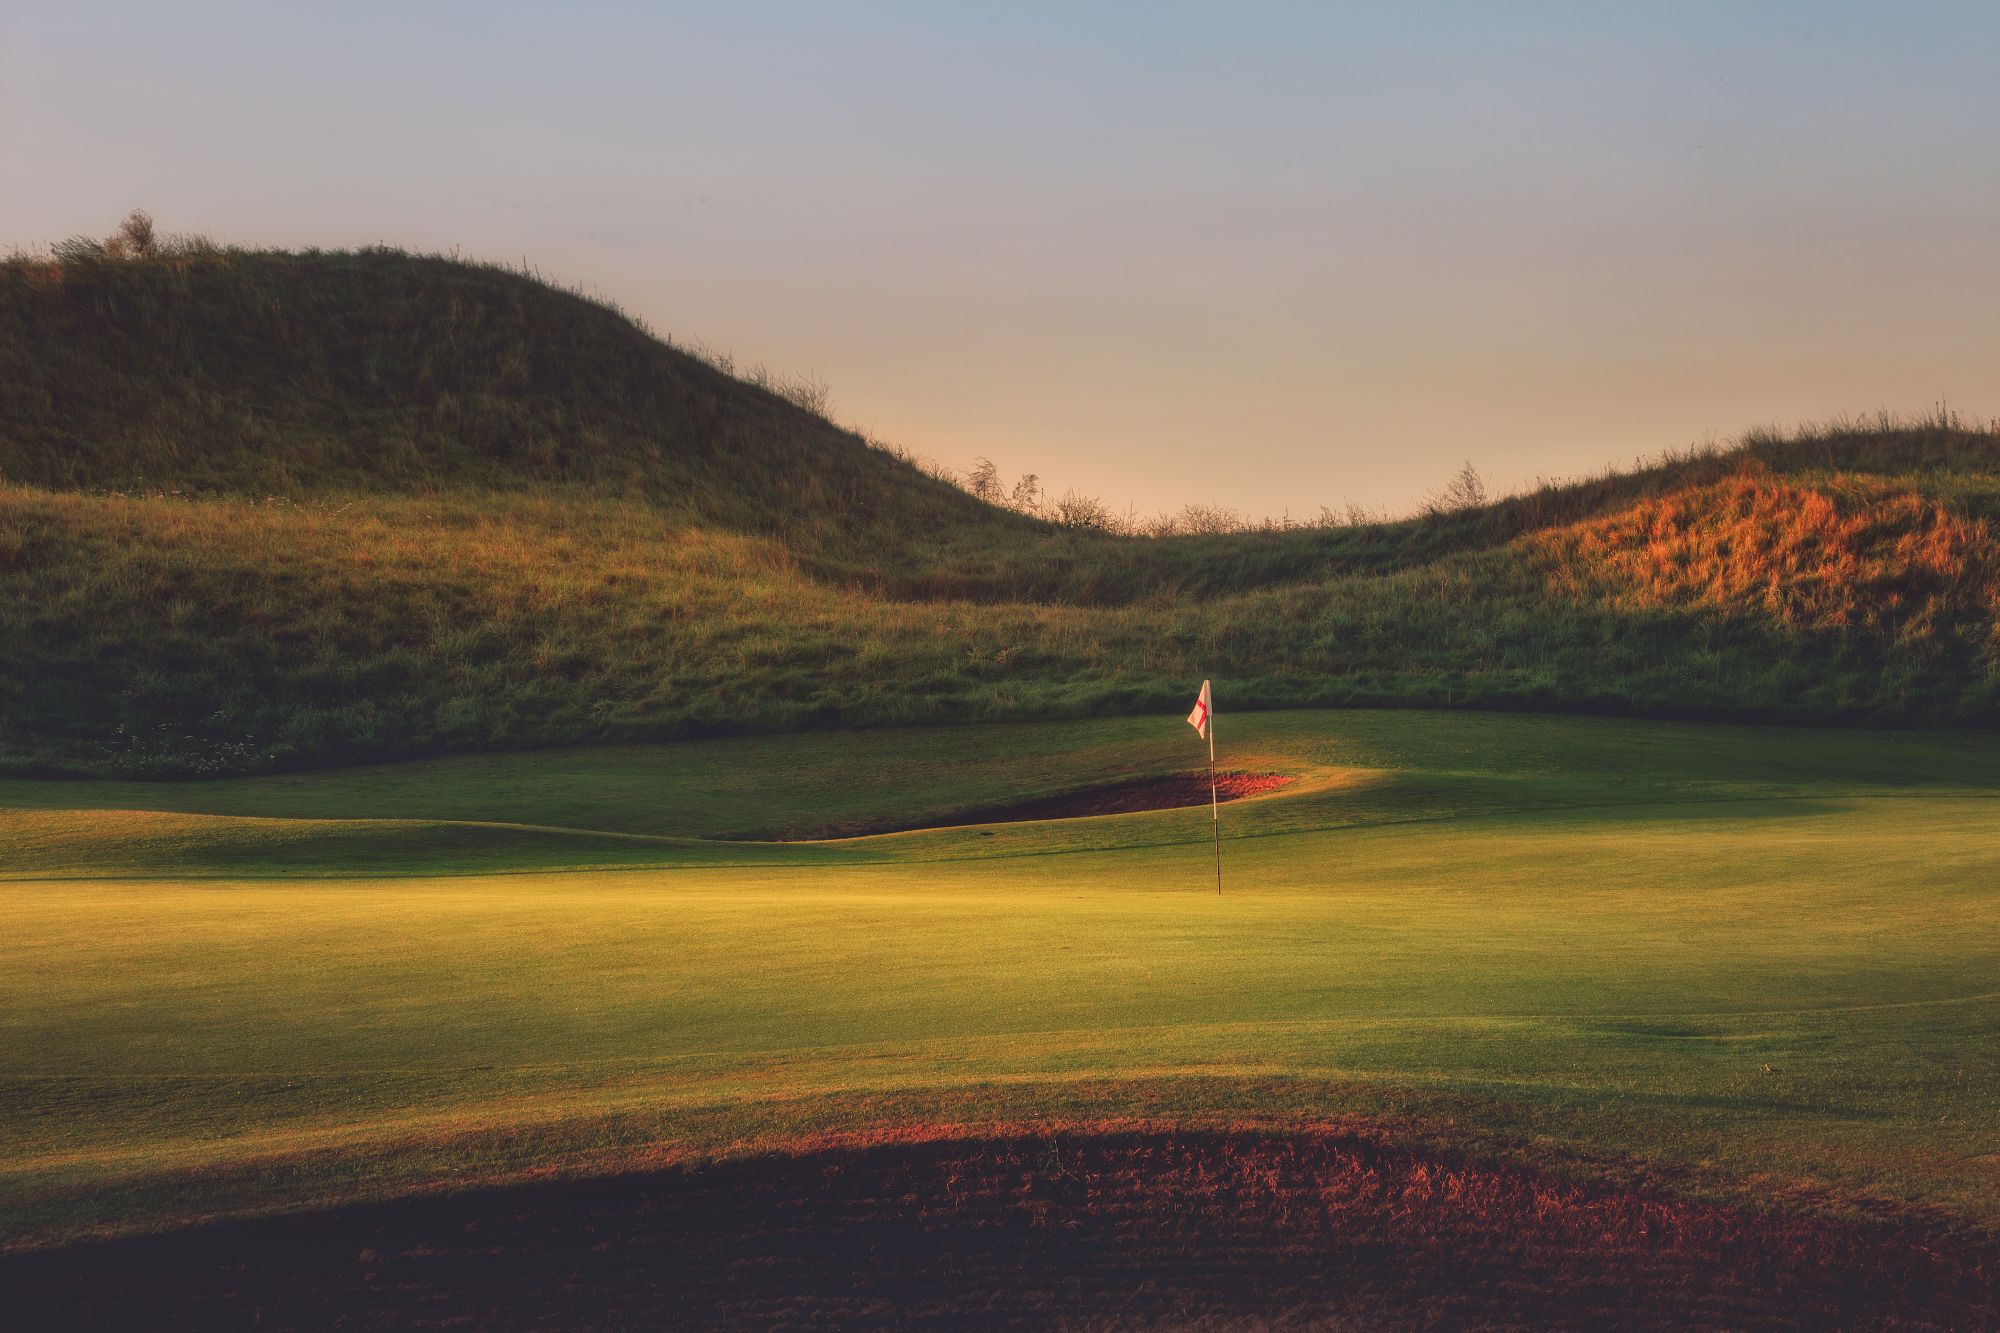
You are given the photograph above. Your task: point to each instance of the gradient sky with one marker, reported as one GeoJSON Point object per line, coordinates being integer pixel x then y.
{"type": "Point", "coordinates": [1270, 257]}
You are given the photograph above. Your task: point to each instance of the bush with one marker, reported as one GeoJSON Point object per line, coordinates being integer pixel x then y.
{"type": "Point", "coordinates": [1465, 490]}
{"type": "Point", "coordinates": [134, 238]}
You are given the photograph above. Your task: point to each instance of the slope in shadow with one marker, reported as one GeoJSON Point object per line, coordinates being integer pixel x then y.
{"type": "Point", "coordinates": [1112, 1228]}
{"type": "Point", "coordinates": [1168, 791]}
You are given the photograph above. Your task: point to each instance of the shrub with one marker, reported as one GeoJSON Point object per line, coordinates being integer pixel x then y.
{"type": "Point", "coordinates": [1466, 490]}
{"type": "Point", "coordinates": [134, 238]}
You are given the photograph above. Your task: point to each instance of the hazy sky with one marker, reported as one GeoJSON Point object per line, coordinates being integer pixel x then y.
{"type": "Point", "coordinates": [1268, 256]}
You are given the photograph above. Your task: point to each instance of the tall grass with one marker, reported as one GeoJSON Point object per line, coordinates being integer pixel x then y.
{"type": "Point", "coordinates": [209, 634]}
{"type": "Point", "coordinates": [266, 373]}
{"type": "Point", "coordinates": [263, 509]}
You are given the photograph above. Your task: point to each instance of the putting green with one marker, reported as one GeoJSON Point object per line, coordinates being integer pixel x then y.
{"type": "Point", "coordinates": [1768, 960]}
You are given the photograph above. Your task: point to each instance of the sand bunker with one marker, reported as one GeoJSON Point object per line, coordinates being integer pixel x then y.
{"type": "Point", "coordinates": [1171, 791]}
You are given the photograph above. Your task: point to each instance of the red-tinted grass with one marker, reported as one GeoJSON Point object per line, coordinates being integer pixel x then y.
{"type": "Point", "coordinates": [1057, 1227]}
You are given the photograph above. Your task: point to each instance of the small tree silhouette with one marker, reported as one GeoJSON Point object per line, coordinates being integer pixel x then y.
{"type": "Point", "coordinates": [134, 239]}
{"type": "Point", "coordinates": [1027, 496]}
{"type": "Point", "coordinates": [984, 482]}
{"type": "Point", "coordinates": [1465, 490]}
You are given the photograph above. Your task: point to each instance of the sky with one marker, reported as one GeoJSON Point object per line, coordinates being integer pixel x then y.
{"type": "Point", "coordinates": [1264, 256]}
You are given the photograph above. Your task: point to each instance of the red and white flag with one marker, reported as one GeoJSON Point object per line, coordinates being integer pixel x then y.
{"type": "Point", "coordinates": [1198, 719]}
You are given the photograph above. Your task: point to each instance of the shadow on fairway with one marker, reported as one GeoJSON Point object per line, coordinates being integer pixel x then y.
{"type": "Point", "coordinates": [1167, 791]}
{"type": "Point", "coordinates": [1122, 1228]}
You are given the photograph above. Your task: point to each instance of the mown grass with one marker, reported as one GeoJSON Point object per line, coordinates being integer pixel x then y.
{"type": "Point", "coordinates": [263, 510]}
{"type": "Point", "coordinates": [1365, 767]}
{"type": "Point", "coordinates": [1760, 961]}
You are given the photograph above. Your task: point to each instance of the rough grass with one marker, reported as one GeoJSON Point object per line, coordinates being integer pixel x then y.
{"type": "Point", "coordinates": [219, 634]}
{"type": "Point", "coordinates": [272, 510]}
{"type": "Point", "coordinates": [267, 373]}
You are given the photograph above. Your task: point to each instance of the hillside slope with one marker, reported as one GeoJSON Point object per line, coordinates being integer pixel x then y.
{"type": "Point", "coordinates": [269, 373]}
{"type": "Point", "coordinates": [268, 509]}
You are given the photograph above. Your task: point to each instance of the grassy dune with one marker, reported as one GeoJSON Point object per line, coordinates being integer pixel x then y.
{"type": "Point", "coordinates": [267, 373]}
{"type": "Point", "coordinates": [223, 634]}
{"type": "Point", "coordinates": [1758, 961]}
{"type": "Point", "coordinates": [266, 510]}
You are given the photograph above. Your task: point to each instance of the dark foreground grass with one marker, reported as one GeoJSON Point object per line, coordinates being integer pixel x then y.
{"type": "Point", "coordinates": [1060, 1226]}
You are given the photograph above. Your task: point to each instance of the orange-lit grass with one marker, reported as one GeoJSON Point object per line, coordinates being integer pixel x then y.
{"type": "Point", "coordinates": [1850, 555]}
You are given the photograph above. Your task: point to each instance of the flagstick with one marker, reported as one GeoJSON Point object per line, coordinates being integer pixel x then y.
{"type": "Point", "coordinates": [1214, 804]}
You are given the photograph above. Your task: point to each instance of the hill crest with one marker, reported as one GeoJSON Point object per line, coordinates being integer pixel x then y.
{"type": "Point", "coordinates": [279, 373]}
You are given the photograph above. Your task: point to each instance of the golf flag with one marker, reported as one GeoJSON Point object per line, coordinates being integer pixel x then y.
{"type": "Point", "coordinates": [1202, 719]}
{"type": "Point", "coordinates": [1198, 719]}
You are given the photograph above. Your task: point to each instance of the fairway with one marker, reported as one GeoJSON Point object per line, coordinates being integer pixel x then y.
{"type": "Point", "coordinates": [1733, 957]}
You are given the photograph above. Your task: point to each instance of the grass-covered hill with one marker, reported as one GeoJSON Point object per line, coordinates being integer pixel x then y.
{"type": "Point", "coordinates": [270, 509]}
{"type": "Point", "coordinates": [230, 373]}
